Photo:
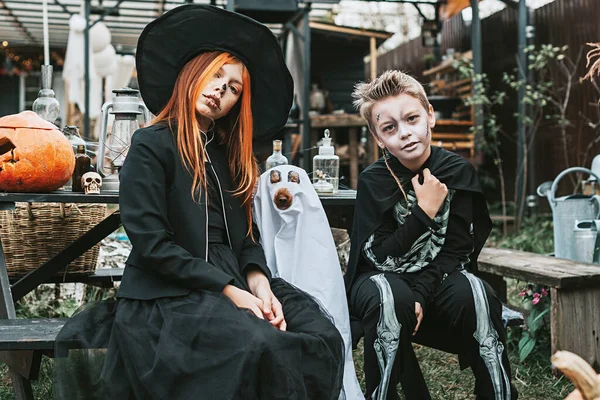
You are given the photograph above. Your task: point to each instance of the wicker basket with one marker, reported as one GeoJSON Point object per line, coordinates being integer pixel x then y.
{"type": "Point", "coordinates": [34, 232]}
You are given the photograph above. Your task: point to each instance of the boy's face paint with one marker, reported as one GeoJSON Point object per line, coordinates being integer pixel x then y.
{"type": "Point", "coordinates": [404, 127]}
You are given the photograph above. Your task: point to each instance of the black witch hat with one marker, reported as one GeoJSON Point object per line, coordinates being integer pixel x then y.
{"type": "Point", "coordinates": [170, 41]}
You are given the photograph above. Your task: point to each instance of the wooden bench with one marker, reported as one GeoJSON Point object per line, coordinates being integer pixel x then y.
{"type": "Point", "coordinates": [23, 342]}
{"type": "Point", "coordinates": [30, 334]}
{"type": "Point", "coordinates": [574, 293]}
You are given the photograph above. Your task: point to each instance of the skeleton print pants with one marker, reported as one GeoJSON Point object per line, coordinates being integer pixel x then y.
{"type": "Point", "coordinates": [464, 317]}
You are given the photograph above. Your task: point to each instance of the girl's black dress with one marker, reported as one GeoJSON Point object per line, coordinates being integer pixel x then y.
{"type": "Point", "coordinates": [201, 345]}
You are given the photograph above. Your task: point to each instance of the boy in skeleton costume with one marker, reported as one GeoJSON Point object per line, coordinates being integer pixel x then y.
{"type": "Point", "coordinates": [420, 223]}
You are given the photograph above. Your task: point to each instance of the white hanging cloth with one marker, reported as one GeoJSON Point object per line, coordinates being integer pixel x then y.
{"type": "Point", "coordinates": [300, 249]}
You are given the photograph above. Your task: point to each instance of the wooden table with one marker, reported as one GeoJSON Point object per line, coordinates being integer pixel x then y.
{"type": "Point", "coordinates": [340, 206]}
{"type": "Point", "coordinates": [24, 363]}
{"type": "Point", "coordinates": [353, 122]}
{"type": "Point", "coordinates": [24, 356]}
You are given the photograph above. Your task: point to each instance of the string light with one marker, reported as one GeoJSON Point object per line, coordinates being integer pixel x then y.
{"type": "Point", "coordinates": [12, 62]}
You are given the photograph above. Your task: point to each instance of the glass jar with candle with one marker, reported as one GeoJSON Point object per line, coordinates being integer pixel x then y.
{"type": "Point", "coordinates": [326, 168]}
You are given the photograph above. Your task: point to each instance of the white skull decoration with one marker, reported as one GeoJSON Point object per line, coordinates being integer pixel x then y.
{"type": "Point", "coordinates": [91, 183]}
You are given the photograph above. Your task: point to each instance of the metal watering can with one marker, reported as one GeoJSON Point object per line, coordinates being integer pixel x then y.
{"type": "Point", "coordinates": [586, 245]}
{"type": "Point", "coordinates": [567, 213]}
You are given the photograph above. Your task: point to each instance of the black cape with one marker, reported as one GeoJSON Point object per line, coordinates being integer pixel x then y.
{"type": "Point", "coordinates": [378, 192]}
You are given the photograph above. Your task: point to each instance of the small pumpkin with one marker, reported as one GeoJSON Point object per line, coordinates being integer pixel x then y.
{"type": "Point", "coordinates": [34, 155]}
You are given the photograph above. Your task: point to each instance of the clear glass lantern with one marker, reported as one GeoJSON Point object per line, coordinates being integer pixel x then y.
{"type": "Point", "coordinates": [46, 105]}
{"type": "Point", "coordinates": [326, 168]}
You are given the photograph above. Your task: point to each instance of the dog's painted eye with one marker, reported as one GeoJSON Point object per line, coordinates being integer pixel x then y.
{"type": "Point", "coordinates": [293, 177]}
{"type": "Point", "coordinates": [275, 176]}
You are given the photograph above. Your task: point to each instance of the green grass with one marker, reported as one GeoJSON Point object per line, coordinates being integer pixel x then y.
{"type": "Point", "coordinates": [533, 378]}
{"type": "Point", "coordinates": [42, 388]}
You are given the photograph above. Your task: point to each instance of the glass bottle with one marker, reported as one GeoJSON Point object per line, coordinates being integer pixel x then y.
{"type": "Point", "coordinates": [83, 163]}
{"type": "Point", "coordinates": [46, 105]}
{"type": "Point", "coordinates": [326, 168]}
{"type": "Point", "coordinates": [276, 158]}
{"type": "Point", "coordinates": [72, 133]}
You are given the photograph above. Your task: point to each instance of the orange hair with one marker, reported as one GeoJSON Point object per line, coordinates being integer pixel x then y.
{"type": "Point", "coordinates": [236, 127]}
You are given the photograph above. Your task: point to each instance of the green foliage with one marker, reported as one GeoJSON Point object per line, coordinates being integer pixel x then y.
{"type": "Point", "coordinates": [42, 387]}
{"type": "Point", "coordinates": [536, 236]}
{"type": "Point", "coordinates": [42, 303]}
{"type": "Point", "coordinates": [546, 98]}
{"type": "Point", "coordinates": [536, 334]}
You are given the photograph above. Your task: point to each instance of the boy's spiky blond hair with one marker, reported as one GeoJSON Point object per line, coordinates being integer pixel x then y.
{"type": "Point", "coordinates": [390, 83]}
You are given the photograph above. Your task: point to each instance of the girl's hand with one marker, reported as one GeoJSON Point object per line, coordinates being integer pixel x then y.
{"type": "Point", "coordinates": [243, 299]}
{"type": "Point", "coordinates": [430, 194]}
{"type": "Point", "coordinates": [271, 307]}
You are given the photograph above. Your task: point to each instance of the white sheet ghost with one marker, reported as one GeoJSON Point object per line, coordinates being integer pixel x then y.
{"type": "Point", "coordinates": [299, 248]}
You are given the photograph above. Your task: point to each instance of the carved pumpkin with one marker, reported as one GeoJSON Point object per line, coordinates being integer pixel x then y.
{"type": "Point", "coordinates": [34, 155]}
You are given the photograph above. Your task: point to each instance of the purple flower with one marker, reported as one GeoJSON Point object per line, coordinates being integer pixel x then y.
{"type": "Point", "coordinates": [522, 293]}
{"type": "Point", "coordinates": [536, 299]}
{"type": "Point", "coordinates": [544, 292]}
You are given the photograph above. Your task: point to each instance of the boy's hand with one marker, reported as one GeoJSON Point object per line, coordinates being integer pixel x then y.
{"type": "Point", "coordinates": [419, 314]}
{"type": "Point", "coordinates": [430, 194]}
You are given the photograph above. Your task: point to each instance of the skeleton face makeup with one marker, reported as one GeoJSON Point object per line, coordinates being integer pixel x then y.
{"type": "Point", "coordinates": [403, 126]}
{"type": "Point", "coordinates": [222, 92]}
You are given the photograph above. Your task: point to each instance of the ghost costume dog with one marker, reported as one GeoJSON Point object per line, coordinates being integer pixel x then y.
{"type": "Point", "coordinates": [299, 248]}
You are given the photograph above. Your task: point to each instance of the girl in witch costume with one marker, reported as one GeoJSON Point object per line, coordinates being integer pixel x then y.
{"type": "Point", "coordinates": [419, 224]}
{"type": "Point", "coordinates": [198, 315]}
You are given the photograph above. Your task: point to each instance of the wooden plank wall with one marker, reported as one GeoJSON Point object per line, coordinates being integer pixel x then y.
{"type": "Point", "coordinates": [574, 23]}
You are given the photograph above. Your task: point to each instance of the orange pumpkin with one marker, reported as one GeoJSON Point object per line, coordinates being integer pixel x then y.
{"type": "Point", "coordinates": [34, 155]}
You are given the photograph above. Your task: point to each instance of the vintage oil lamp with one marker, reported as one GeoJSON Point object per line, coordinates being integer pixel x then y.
{"type": "Point", "coordinates": [112, 149]}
